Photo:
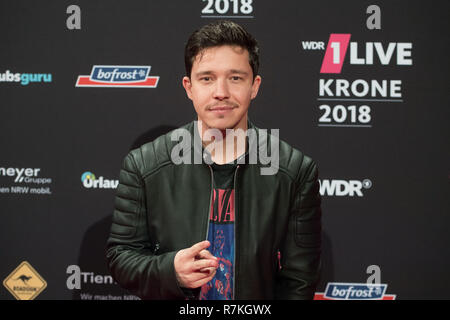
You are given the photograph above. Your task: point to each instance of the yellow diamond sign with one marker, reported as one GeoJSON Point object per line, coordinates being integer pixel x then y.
{"type": "Point", "coordinates": [24, 283]}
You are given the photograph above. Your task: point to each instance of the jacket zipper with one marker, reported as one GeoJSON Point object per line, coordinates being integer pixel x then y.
{"type": "Point", "coordinates": [235, 231]}
{"type": "Point", "coordinates": [210, 199]}
{"type": "Point", "coordinates": [209, 212]}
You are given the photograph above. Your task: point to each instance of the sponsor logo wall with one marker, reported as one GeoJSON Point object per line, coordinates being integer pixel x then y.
{"type": "Point", "coordinates": [362, 88]}
{"type": "Point", "coordinates": [25, 181]}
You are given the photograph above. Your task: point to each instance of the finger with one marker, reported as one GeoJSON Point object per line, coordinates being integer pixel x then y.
{"type": "Point", "coordinates": [208, 270]}
{"type": "Point", "coordinates": [203, 281]}
{"type": "Point", "coordinates": [205, 254]}
{"type": "Point", "coordinates": [195, 277]}
{"type": "Point", "coordinates": [205, 263]}
{"type": "Point", "coordinates": [197, 248]}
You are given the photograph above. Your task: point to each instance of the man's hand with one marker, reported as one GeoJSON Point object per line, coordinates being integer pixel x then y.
{"type": "Point", "coordinates": [195, 266]}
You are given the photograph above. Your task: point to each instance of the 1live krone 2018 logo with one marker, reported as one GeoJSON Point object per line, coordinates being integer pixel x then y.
{"type": "Point", "coordinates": [398, 53]}
{"type": "Point", "coordinates": [347, 102]}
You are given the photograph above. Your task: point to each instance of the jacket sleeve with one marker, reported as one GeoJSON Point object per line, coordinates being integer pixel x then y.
{"type": "Point", "coordinates": [300, 254]}
{"type": "Point", "coordinates": [131, 257]}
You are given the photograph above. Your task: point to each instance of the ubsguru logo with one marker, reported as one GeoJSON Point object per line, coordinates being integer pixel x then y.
{"type": "Point", "coordinates": [25, 78]}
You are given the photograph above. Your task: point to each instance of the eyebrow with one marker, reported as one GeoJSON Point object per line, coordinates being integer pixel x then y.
{"type": "Point", "coordinates": [232, 71]}
{"type": "Point", "coordinates": [203, 73]}
{"type": "Point", "coordinates": [238, 72]}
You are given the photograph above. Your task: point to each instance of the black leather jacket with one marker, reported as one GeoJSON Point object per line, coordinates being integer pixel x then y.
{"type": "Point", "coordinates": [161, 207]}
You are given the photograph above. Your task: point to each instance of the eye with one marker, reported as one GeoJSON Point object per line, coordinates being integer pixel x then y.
{"type": "Point", "coordinates": [206, 79]}
{"type": "Point", "coordinates": [236, 78]}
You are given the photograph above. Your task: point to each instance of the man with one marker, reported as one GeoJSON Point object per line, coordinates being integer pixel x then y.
{"type": "Point", "coordinates": [220, 229]}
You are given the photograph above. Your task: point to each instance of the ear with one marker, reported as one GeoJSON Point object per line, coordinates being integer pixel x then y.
{"type": "Point", "coordinates": [187, 86]}
{"type": "Point", "coordinates": [255, 87]}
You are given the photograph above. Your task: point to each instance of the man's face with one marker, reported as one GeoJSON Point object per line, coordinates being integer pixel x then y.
{"type": "Point", "coordinates": [221, 86]}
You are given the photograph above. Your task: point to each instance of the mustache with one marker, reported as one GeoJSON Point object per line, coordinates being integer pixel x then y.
{"type": "Point", "coordinates": [221, 104]}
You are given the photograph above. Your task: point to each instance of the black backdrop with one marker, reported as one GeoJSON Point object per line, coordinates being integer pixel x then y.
{"type": "Point", "coordinates": [395, 151]}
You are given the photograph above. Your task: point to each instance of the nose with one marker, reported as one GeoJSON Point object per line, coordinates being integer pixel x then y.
{"type": "Point", "coordinates": [221, 90]}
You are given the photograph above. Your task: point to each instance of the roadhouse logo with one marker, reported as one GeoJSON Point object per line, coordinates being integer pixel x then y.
{"type": "Point", "coordinates": [25, 283]}
{"type": "Point", "coordinates": [354, 291]}
{"type": "Point", "coordinates": [118, 77]}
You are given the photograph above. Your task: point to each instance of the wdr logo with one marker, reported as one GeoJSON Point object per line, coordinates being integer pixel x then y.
{"type": "Point", "coordinates": [118, 77]}
{"type": "Point", "coordinates": [354, 291]}
{"type": "Point", "coordinates": [341, 188]}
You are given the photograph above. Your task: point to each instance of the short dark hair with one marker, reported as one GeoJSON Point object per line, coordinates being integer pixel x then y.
{"type": "Point", "coordinates": [223, 32]}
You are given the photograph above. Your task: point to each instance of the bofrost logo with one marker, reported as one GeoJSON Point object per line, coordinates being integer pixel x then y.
{"type": "Point", "coordinates": [89, 181]}
{"type": "Point", "coordinates": [342, 188]}
{"type": "Point", "coordinates": [354, 291]}
{"type": "Point", "coordinates": [118, 77]}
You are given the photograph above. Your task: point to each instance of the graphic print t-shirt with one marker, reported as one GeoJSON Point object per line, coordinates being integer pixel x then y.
{"type": "Point", "coordinates": [221, 234]}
